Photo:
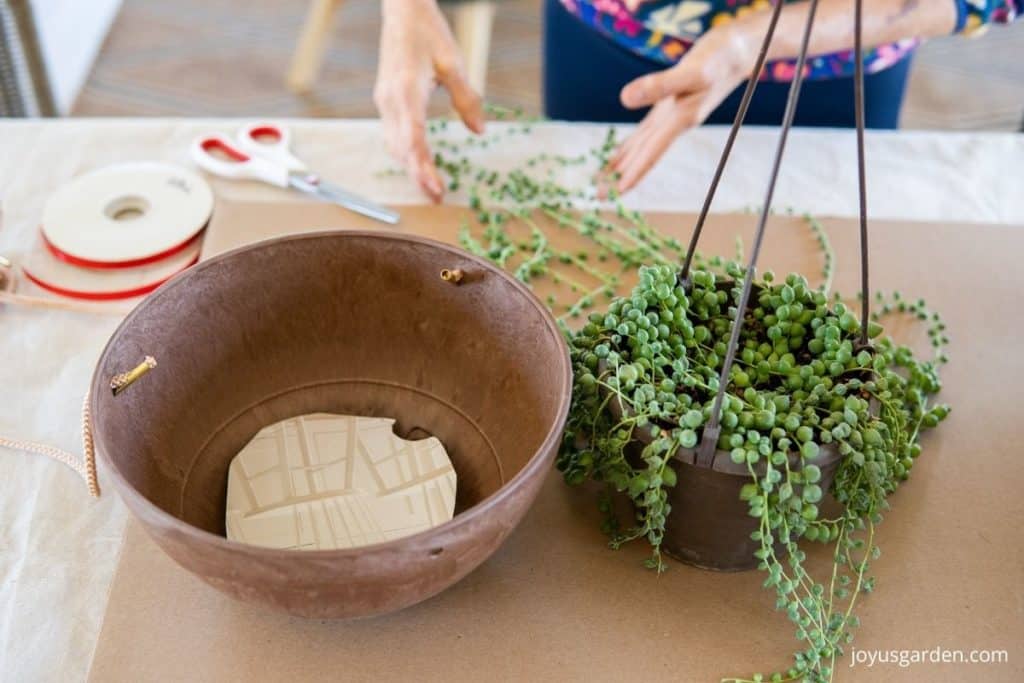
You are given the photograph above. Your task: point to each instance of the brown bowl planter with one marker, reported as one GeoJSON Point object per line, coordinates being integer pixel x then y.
{"type": "Point", "coordinates": [347, 322]}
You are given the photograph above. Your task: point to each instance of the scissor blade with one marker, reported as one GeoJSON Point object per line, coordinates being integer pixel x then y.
{"type": "Point", "coordinates": [352, 202]}
{"type": "Point", "coordinates": [357, 203]}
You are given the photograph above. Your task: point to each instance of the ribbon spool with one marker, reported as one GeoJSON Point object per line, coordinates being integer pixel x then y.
{"type": "Point", "coordinates": [55, 275]}
{"type": "Point", "coordinates": [126, 215]}
{"type": "Point", "coordinates": [120, 231]}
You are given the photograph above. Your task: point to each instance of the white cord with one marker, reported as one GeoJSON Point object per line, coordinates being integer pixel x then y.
{"type": "Point", "coordinates": [85, 466]}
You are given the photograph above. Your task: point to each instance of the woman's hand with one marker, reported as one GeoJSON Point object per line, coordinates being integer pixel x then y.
{"type": "Point", "coordinates": [682, 97]}
{"type": "Point", "coordinates": [417, 52]}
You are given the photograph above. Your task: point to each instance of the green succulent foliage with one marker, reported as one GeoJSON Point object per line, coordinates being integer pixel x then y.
{"type": "Point", "coordinates": [799, 384]}
{"type": "Point", "coordinates": [650, 363]}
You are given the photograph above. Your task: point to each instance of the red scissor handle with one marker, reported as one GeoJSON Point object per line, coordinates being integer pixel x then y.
{"type": "Point", "coordinates": [215, 145]}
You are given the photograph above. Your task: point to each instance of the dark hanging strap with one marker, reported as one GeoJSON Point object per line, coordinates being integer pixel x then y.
{"type": "Point", "coordinates": [709, 439]}
{"type": "Point", "coordinates": [741, 114]}
{"type": "Point", "coordinates": [858, 103]}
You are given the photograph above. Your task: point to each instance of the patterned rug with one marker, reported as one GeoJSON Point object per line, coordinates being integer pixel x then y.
{"type": "Point", "coordinates": [229, 57]}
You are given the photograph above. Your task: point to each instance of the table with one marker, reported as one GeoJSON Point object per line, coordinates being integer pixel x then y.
{"type": "Point", "coordinates": [58, 548]}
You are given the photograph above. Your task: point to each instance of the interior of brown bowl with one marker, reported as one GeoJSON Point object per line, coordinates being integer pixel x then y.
{"type": "Point", "coordinates": [349, 322]}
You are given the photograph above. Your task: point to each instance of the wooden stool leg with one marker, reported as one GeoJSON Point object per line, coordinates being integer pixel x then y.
{"type": "Point", "coordinates": [309, 52]}
{"type": "Point", "coordinates": [473, 24]}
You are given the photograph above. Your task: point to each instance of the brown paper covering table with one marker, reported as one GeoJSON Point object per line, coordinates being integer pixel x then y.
{"type": "Point", "coordinates": [554, 603]}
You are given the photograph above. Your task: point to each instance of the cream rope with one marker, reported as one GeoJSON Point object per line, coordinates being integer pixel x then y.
{"type": "Point", "coordinates": [85, 466]}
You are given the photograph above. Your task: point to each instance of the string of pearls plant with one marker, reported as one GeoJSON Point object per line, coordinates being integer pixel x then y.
{"type": "Point", "coordinates": [800, 383]}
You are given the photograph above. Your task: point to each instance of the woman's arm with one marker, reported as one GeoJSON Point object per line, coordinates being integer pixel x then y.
{"type": "Point", "coordinates": [885, 21]}
{"type": "Point", "coordinates": [722, 59]}
{"type": "Point", "coordinates": [417, 52]}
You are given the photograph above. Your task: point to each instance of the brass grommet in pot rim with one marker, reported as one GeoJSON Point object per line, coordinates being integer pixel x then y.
{"type": "Point", "coordinates": [452, 275]}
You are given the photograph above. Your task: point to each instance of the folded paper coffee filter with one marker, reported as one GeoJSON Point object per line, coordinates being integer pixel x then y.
{"type": "Point", "coordinates": [323, 482]}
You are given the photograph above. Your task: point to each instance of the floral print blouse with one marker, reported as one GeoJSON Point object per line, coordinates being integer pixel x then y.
{"type": "Point", "coordinates": [663, 30]}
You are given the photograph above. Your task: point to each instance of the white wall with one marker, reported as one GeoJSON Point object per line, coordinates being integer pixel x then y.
{"type": "Point", "coordinates": [71, 33]}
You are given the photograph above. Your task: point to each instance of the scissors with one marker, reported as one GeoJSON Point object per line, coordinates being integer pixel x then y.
{"type": "Point", "coordinates": [261, 151]}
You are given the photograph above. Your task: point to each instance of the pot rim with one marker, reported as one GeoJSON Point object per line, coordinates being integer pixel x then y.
{"type": "Point", "coordinates": [133, 497]}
